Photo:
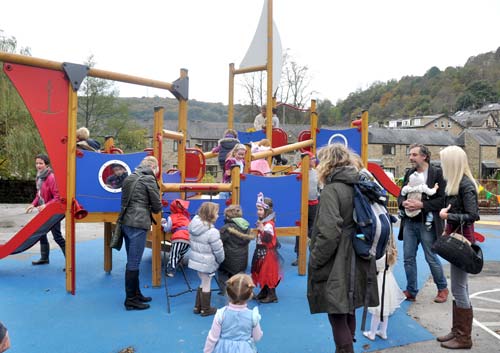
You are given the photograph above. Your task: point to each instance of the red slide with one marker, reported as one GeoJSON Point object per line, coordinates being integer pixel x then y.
{"type": "Point", "coordinates": [36, 228]}
{"type": "Point", "coordinates": [383, 179]}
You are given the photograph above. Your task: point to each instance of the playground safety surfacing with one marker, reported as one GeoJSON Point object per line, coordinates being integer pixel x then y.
{"type": "Point", "coordinates": [42, 317]}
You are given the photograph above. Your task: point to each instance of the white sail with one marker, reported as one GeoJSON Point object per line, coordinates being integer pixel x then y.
{"type": "Point", "coordinates": [257, 52]}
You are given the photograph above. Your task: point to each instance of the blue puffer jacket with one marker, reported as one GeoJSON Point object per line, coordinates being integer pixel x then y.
{"type": "Point", "coordinates": [207, 251]}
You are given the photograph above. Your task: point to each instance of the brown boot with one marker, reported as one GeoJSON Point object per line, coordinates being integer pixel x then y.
{"type": "Point", "coordinates": [271, 297]}
{"type": "Point", "coordinates": [206, 309]}
{"type": "Point", "coordinates": [462, 339]}
{"type": "Point", "coordinates": [453, 331]}
{"type": "Point", "coordinates": [197, 303]}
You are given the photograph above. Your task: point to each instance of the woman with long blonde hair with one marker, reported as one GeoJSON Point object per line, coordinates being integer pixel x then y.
{"type": "Point", "coordinates": [460, 214]}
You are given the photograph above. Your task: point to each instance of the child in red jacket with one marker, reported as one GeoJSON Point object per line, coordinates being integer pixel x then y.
{"type": "Point", "coordinates": [265, 262]}
{"type": "Point", "coordinates": [177, 223]}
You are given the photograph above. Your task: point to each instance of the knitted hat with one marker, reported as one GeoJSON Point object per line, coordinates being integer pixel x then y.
{"type": "Point", "coordinates": [260, 201]}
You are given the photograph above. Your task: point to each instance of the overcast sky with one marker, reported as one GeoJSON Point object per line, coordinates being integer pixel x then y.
{"type": "Point", "coordinates": [347, 45]}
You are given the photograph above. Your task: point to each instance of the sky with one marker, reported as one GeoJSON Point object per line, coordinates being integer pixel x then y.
{"type": "Point", "coordinates": [346, 44]}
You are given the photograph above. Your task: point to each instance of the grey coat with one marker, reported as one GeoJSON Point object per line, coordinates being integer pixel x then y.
{"type": "Point", "coordinates": [207, 252]}
{"type": "Point", "coordinates": [144, 200]}
{"type": "Point", "coordinates": [331, 251]}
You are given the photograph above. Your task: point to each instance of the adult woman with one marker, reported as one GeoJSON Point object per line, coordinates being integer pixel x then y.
{"type": "Point", "coordinates": [460, 214]}
{"type": "Point", "coordinates": [46, 193]}
{"type": "Point", "coordinates": [140, 198]}
{"type": "Point", "coordinates": [331, 251]}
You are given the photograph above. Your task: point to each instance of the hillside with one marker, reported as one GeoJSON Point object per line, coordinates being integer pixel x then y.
{"type": "Point", "coordinates": [437, 91]}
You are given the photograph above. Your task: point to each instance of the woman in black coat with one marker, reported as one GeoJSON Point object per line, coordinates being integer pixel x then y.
{"type": "Point", "coordinates": [331, 250]}
{"type": "Point", "coordinates": [460, 214]}
{"type": "Point", "coordinates": [142, 193]}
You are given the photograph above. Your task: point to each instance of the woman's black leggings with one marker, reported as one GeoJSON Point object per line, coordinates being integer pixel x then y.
{"type": "Point", "coordinates": [343, 328]}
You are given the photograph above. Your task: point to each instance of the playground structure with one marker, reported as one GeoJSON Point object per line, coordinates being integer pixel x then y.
{"type": "Point", "coordinates": [49, 90]}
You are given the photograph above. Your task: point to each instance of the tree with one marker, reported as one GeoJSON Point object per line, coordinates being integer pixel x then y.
{"type": "Point", "coordinates": [97, 101]}
{"type": "Point", "coordinates": [19, 137]}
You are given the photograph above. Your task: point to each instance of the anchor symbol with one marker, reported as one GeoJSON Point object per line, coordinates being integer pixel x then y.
{"type": "Point", "coordinates": [49, 95]}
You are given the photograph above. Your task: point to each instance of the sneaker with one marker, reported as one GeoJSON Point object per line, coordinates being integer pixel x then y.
{"type": "Point", "coordinates": [381, 334]}
{"type": "Point", "coordinates": [442, 296]}
{"type": "Point", "coordinates": [410, 297]}
{"type": "Point", "coordinates": [296, 262]}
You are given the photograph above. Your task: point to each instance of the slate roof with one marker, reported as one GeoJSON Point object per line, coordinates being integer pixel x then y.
{"type": "Point", "coordinates": [409, 136]}
{"type": "Point", "coordinates": [485, 137]}
{"type": "Point", "coordinates": [475, 118]}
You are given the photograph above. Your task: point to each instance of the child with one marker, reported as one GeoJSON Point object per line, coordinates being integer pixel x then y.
{"type": "Point", "coordinates": [225, 145]}
{"type": "Point", "coordinates": [414, 190]}
{"type": "Point", "coordinates": [235, 157]}
{"type": "Point", "coordinates": [312, 203]}
{"type": "Point", "coordinates": [393, 295]}
{"type": "Point", "coordinates": [235, 236]}
{"type": "Point", "coordinates": [265, 263]}
{"type": "Point", "coordinates": [115, 180]}
{"type": "Point", "coordinates": [206, 255]}
{"type": "Point", "coordinates": [261, 165]}
{"type": "Point", "coordinates": [235, 327]}
{"type": "Point", "coordinates": [177, 223]}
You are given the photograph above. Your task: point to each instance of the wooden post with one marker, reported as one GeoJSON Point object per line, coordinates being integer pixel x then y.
{"type": "Point", "coordinates": [108, 252]}
{"type": "Point", "coordinates": [230, 102]}
{"type": "Point", "coordinates": [304, 209]}
{"type": "Point", "coordinates": [71, 190]}
{"type": "Point", "coordinates": [156, 234]}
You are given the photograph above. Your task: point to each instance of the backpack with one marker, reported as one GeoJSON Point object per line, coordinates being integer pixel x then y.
{"type": "Point", "coordinates": [374, 222]}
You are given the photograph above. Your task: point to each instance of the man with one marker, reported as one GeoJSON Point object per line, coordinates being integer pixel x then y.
{"type": "Point", "coordinates": [414, 230]}
{"type": "Point", "coordinates": [260, 120]}
{"type": "Point", "coordinates": [260, 123]}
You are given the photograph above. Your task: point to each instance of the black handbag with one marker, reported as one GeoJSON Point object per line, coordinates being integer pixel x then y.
{"type": "Point", "coordinates": [459, 251]}
{"type": "Point", "coordinates": [117, 235]}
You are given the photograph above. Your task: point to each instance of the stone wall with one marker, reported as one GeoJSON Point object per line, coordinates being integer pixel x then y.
{"type": "Point", "coordinates": [17, 191]}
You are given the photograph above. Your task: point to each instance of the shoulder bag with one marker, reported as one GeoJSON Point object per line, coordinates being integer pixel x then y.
{"type": "Point", "coordinates": [117, 235]}
{"type": "Point", "coordinates": [459, 251]}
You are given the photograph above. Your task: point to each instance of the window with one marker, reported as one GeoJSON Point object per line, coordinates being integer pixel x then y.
{"type": "Point", "coordinates": [176, 145]}
{"type": "Point", "coordinates": [442, 124]}
{"type": "Point", "coordinates": [417, 122]}
{"type": "Point", "coordinates": [388, 149]}
{"type": "Point", "coordinates": [498, 152]}
{"type": "Point", "coordinates": [212, 169]}
{"type": "Point", "coordinates": [208, 145]}
{"type": "Point", "coordinates": [449, 124]}
{"type": "Point", "coordinates": [435, 124]}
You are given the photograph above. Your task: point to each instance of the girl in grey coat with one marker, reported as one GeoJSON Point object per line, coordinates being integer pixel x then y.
{"type": "Point", "coordinates": [207, 253]}
{"type": "Point", "coordinates": [331, 250]}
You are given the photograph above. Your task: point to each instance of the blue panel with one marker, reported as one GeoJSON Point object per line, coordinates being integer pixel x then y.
{"type": "Point", "coordinates": [350, 137]}
{"type": "Point", "coordinates": [247, 137]}
{"type": "Point", "coordinates": [285, 191]}
{"type": "Point", "coordinates": [91, 192]}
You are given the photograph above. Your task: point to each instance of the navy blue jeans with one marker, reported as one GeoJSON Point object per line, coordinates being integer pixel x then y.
{"type": "Point", "coordinates": [56, 233]}
{"type": "Point", "coordinates": [415, 233]}
{"type": "Point", "coordinates": [135, 242]}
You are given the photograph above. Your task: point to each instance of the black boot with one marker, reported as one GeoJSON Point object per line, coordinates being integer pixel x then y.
{"type": "Point", "coordinates": [206, 309]}
{"type": "Point", "coordinates": [44, 258]}
{"type": "Point", "coordinates": [271, 297]}
{"type": "Point", "coordinates": [138, 293]}
{"type": "Point", "coordinates": [131, 301]}
{"type": "Point", "coordinates": [344, 348]}
{"type": "Point", "coordinates": [263, 293]}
